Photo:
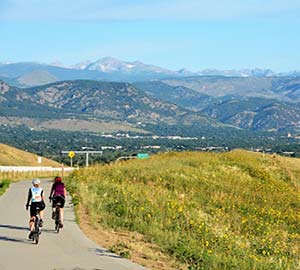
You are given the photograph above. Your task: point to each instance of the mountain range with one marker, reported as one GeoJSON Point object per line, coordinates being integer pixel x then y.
{"type": "Point", "coordinates": [157, 103]}
{"type": "Point", "coordinates": [26, 74]}
{"type": "Point", "coordinates": [137, 95]}
{"type": "Point", "coordinates": [264, 104]}
{"type": "Point", "coordinates": [97, 103]}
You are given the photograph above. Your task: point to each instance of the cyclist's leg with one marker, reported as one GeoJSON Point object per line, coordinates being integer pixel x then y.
{"type": "Point", "coordinates": [62, 209]}
{"type": "Point", "coordinates": [61, 213]}
{"type": "Point", "coordinates": [31, 223]}
{"type": "Point", "coordinates": [54, 202]}
{"type": "Point", "coordinates": [41, 213]}
{"type": "Point", "coordinates": [32, 216]}
{"type": "Point", "coordinates": [32, 219]}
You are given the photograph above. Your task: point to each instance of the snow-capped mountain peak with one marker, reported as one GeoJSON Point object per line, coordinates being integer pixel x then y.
{"type": "Point", "coordinates": [110, 64]}
{"type": "Point", "coordinates": [82, 65]}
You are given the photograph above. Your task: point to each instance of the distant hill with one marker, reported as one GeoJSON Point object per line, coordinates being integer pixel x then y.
{"type": "Point", "coordinates": [10, 156]}
{"type": "Point", "coordinates": [256, 114]}
{"type": "Point", "coordinates": [38, 77]}
{"type": "Point", "coordinates": [265, 104]}
{"type": "Point", "coordinates": [180, 95]}
{"type": "Point", "coordinates": [92, 100]}
{"type": "Point", "coordinates": [29, 74]}
{"type": "Point", "coordinates": [281, 88]}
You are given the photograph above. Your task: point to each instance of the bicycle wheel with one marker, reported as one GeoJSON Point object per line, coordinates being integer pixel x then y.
{"type": "Point", "coordinates": [36, 238]}
{"type": "Point", "coordinates": [57, 219]}
{"type": "Point", "coordinates": [57, 227]}
{"type": "Point", "coordinates": [36, 235]}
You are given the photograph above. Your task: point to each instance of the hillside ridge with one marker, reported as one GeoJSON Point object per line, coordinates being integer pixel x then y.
{"type": "Point", "coordinates": [11, 156]}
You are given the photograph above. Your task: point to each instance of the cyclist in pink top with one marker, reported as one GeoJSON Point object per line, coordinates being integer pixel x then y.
{"type": "Point", "coordinates": [58, 195]}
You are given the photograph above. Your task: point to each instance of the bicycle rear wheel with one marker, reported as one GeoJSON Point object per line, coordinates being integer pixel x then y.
{"type": "Point", "coordinates": [36, 234]}
{"type": "Point", "coordinates": [57, 219]}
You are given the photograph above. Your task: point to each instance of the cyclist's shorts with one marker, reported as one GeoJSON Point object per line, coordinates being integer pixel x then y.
{"type": "Point", "coordinates": [35, 207]}
{"type": "Point", "coordinates": [58, 200]}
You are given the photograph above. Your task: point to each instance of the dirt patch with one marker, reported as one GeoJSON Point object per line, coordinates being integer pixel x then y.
{"type": "Point", "coordinates": [127, 244]}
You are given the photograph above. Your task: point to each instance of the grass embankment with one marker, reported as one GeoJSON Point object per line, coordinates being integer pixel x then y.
{"type": "Point", "coordinates": [237, 210]}
{"type": "Point", "coordinates": [10, 156]}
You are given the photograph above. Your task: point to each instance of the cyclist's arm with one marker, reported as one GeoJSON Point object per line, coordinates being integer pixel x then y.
{"type": "Point", "coordinates": [43, 197]}
{"type": "Point", "coordinates": [29, 196]}
{"type": "Point", "coordinates": [52, 191]}
{"type": "Point", "coordinates": [65, 192]}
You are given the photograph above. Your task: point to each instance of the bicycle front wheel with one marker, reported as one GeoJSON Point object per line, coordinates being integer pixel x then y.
{"type": "Point", "coordinates": [36, 238]}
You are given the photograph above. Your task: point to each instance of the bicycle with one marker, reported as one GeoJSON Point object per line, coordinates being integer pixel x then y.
{"type": "Point", "coordinates": [57, 216]}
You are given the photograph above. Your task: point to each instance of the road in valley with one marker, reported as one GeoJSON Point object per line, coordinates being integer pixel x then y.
{"type": "Point", "coordinates": [68, 250]}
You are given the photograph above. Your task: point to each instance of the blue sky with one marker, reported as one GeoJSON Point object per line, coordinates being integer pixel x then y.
{"type": "Point", "coordinates": [195, 34]}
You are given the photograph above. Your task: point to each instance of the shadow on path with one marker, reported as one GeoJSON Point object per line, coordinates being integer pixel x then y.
{"type": "Point", "coordinates": [103, 252]}
{"type": "Point", "coordinates": [15, 240]}
{"type": "Point", "coordinates": [13, 227]}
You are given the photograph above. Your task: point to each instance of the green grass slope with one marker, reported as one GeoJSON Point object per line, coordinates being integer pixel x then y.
{"type": "Point", "coordinates": [237, 210]}
{"type": "Point", "coordinates": [4, 184]}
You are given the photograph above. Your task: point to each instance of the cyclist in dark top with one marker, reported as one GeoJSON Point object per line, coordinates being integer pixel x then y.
{"type": "Point", "coordinates": [36, 199]}
{"type": "Point", "coordinates": [58, 195]}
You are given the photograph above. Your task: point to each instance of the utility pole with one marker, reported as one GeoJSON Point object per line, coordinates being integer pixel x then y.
{"type": "Point", "coordinates": [87, 159]}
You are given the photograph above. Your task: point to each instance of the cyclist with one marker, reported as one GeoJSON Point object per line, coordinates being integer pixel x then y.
{"type": "Point", "coordinates": [58, 195]}
{"type": "Point", "coordinates": [36, 199]}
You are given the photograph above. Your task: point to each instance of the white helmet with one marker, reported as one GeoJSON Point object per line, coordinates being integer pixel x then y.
{"type": "Point", "coordinates": [36, 181]}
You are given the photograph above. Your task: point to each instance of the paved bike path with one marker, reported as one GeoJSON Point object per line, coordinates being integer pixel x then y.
{"type": "Point", "coordinates": [68, 250]}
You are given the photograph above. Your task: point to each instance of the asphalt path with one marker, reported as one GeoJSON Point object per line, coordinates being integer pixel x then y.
{"type": "Point", "coordinates": [68, 250]}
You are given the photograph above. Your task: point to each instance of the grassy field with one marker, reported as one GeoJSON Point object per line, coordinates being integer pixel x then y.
{"type": "Point", "coordinates": [237, 210]}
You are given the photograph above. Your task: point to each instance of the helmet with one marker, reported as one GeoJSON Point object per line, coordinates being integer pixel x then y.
{"type": "Point", "coordinates": [57, 179]}
{"type": "Point", "coordinates": [36, 181]}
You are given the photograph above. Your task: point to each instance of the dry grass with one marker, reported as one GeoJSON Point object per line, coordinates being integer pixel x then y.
{"type": "Point", "coordinates": [10, 156]}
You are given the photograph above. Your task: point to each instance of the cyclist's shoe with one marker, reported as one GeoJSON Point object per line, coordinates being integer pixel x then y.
{"type": "Point", "coordinates": [30, 236]}
{"type": "Point", "coordinates": [61, 225]}
{"type": "Point", "coordinates": [53, 215]}
{"type": "Point", "coordinates": [41, 223]}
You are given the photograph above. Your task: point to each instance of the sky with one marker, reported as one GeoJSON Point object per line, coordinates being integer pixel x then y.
{"type": "Point", "coordinates": [192, 34]}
